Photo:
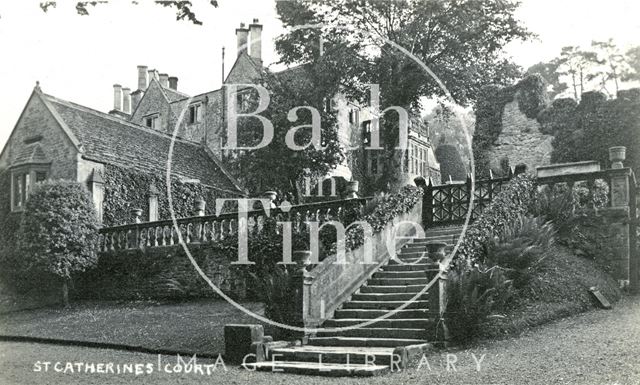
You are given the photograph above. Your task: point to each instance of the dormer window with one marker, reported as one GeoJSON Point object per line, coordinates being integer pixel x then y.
{"type": "Point", "coordinates": [195, 113]}
{"type": "Point", "coordinates": [152, 121]}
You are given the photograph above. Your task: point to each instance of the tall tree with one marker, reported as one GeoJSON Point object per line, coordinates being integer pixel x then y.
{"type": "Point", "coordinates": [610, 64]}
{"type": "Point", "coordinates": [461, 41]}
{"type": "Point", "coordinates": [296, 103]}
{"type": "Point", "coordinates": [577, 64]}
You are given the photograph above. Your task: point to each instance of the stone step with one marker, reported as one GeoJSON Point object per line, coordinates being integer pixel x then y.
{"type": "Point", "coordinates": [397, 281]}
{"type": "Point", "coordinates": [336, 354]}
{"type": "Point", "coordinates": [403, 255]}
{"type": "Point", "coordinates": [391, 289]}
{"type": "Point", "coordinates": [412, 248]}
{"type": "Point", "coordinates": [448, 238]}
{"type": "Point", "coordinates": [387, 323]}
{"type": "Point", "coordinates": [390, 305]}
{"type": "Point", "coordinates": [413, 267]}
{"type": "Point", "coordinates": [402, 333]}
{"type": "Point", "coordinates": [400, 274]}
{"type": "Point", "coordinates": [359, 341]}
{"type": "Point", "coordinates": [410, 261]}
{"type": "Point", "coordinates": [314, 368]}
{"type": "Point", "coordinates": [373, 313]}
{"type": "Point", "coordinates": [443, 230]}
{"type": "Point", "coordinates": [388, 296]}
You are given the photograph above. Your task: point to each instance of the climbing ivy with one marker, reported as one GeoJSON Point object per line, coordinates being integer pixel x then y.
{"type": "Point", "coordinates": [127, 189]}
{"type": "Point", "coordinates": [532, 99]}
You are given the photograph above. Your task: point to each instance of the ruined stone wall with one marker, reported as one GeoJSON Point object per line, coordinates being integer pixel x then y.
{"type": "Point", "coordinates": [520, 141]}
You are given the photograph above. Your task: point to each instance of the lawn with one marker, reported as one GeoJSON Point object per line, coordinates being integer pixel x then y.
{"type": "Point", "coordinates": [596, 347]}
{"type": "Point", "coordinates": [190, 326]}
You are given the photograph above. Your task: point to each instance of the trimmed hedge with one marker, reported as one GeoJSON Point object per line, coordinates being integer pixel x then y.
{"type": "Point", "coordinates": [59, 229]}
{"type": "Point", "coordinates": [504, 211]}
{"type": "Point", "coordinates": [451, 163]}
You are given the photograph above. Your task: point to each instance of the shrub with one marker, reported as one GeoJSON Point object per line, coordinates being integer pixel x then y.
{"type": "Point", "coordinates": [59, 229]}
{"type": "Point", "coordinates": [9, 224]}
{"type": "Point", "coordinates": [504, 211]}
{"type": "Point", "coordinates": [472, 296]}
{"type": "Point", "coordinates": [389, 207]}
{"type": "Point", "coordinates": [586, 132]}
{"type": "Point", "coordinates": [450, 163]}
{"type": "Point", "coordinates": [521, 248]}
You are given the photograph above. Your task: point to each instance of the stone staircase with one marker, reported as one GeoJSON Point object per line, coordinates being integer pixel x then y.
{"type": "Point", "coordinates": [385, 345]}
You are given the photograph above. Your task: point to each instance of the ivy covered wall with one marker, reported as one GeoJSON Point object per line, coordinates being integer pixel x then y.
{"type": "Point", "coordinates": [517, 107]}
{"type": "Point", "coordinates": [126, 189]}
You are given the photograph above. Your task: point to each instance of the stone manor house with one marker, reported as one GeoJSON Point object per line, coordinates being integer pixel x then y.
{"type": "Point", "coordinates": [58, 139]}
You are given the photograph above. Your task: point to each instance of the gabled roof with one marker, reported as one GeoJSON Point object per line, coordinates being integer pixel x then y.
{"type": "Point", "coordinates": [108, 139]}
{"type": "Point", "coordinates": [173, 95]}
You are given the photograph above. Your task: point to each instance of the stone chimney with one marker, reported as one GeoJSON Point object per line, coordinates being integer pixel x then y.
{"type": "Point", "coordinates": [117, 97]}
{"type": "Point", "coordinates": [164, 80]}
{"type": "Point", "coordinates": [173, 82]}
{"type": "Point", "coordinates": [136, 96]}
{"type": "Point", "coordinates": [142, 78]}
{"type": "Point", "coordinates": [153, 74]}
{"type": "Point", "coordinates": [255, 37]}
{"type": "Point", "coordinates": [126, 100]}
{"type": "Point", "coordinates": [242, 34]}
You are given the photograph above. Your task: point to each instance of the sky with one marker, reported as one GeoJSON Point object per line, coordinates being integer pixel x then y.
{"type": "Point", "coordinates": [79, 58]}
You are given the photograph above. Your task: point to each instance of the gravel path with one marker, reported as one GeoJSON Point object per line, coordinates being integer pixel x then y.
{"type": "Point", "coordinates": [595, 348]}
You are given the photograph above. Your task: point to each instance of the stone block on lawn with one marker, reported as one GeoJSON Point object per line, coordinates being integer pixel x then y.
{"type": "Point", "coordinates": [239, 340]}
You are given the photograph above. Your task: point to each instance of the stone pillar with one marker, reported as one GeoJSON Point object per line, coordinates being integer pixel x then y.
{"type": "Point", "coordinates": [96, 186]}
{"type": "Point", "coordinates": [438, 304]}
{"type": "Point", "coordinates": [271, 195]}
{"type": "Point", "coordinates": [617, 155]}
{"type": "Point", "coordinates": [199, 207]}
{"type": "Point", "coordinates": [352, 189]}
{"type": "Point", "coordinates": [239, 341]}
{"type": "Point", "coordinates": [619, 182]}
{"type": "Point", "coordinates": [618, 216]}
{"type": "Point", "coordinates": [136, 215]}
{"type": "Point", "coordinates": [153, 203]}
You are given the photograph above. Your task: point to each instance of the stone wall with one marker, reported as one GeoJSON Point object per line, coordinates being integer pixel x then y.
{"type": "Point", "coordinates": [520, 141]}
{"type": "Point", "coordinates": [160, 273]}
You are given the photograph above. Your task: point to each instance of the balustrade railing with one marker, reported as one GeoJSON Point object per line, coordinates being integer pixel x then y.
{"type": "Point", "coordinates": [449, 203]}
{"type": "Point", "coordinates": [200, 229]}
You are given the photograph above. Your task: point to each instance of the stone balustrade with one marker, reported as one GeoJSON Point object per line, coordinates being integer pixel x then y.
{"type": "Point", "coordinates": [207, 228]}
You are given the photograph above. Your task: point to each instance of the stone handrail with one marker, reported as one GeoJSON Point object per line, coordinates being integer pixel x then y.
{"type": "Point", "coordinates": [199, 229]}
{"type": "Point", "coordinates": [330, 284]}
